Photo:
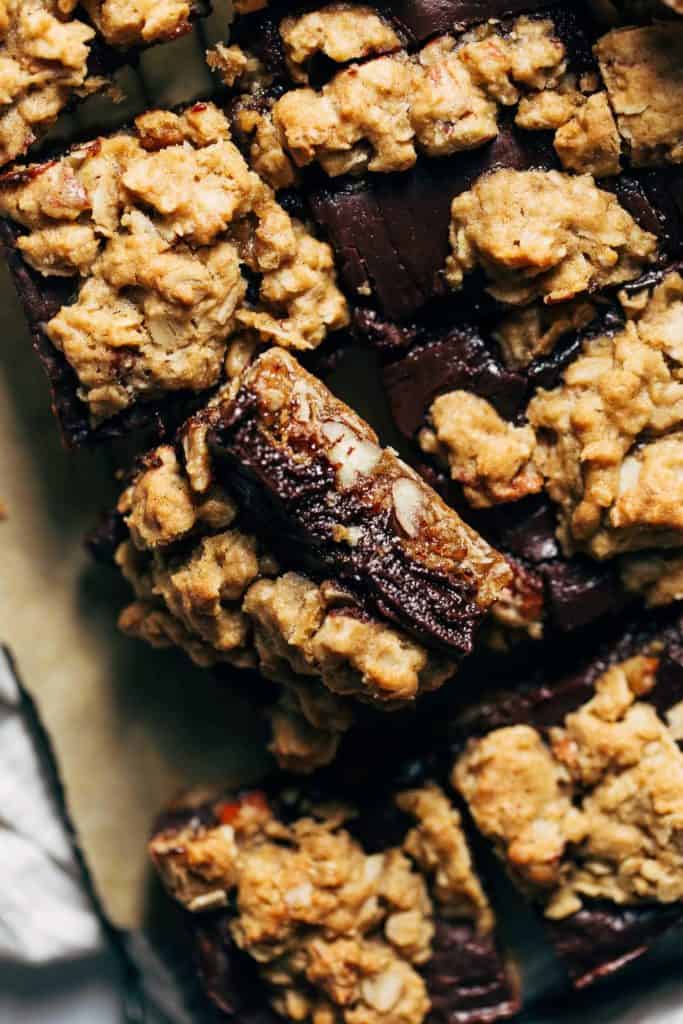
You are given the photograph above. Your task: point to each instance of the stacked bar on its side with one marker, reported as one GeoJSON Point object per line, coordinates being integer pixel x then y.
{"type": "Point", "coordinates": [278, 534]}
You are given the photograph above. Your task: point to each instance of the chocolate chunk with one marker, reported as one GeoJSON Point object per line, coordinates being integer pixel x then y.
{"type": "Point", "coordinates": [466, 979]}
{"type": "Point", "coordinates": [103, 541]}
{"type": "Point", "coordinates": [525, 528]}
{"type": "Point", "coordinates": [460, 360]}
{"type": "Point", "coordinates": [580, 592]}
{"type": "Point", "coordinates": [421, 19]}
{"type": "Point", "coordinates": [429, 574]}
{"type": "Point", "coordinates": [655, 201]}
{"type": "Point", "coordinates": [601, 939]}
{"type": "Point", "coordinates": [391, 231]}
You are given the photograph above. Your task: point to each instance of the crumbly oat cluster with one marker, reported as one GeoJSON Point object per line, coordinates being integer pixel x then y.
{"type": "Point", "coordinates": [489, 456]}
{"type": "Point", "coordinates": [158, 225]}
{"type": "Point", "coordinates": [44, 53]}
{"type": "Point", "coordinates": [643, 71]}
{"type": "Point", "coordinates": [379, 114]}
{"type": "Point", "coordinates": [544, 234]}
{"type": "Point", "coordinates": [205, 584]}
{"type": "Point", "coordinates": [593, 812]}
{"type": "Point", "coordinates": [136, 22]}
{"type": "Point", "coordinates": [609, 440]}
{"type": "Point", "coordinates": [338, 934]}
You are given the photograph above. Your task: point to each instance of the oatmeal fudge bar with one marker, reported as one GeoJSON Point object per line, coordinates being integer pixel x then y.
{"type": "Point", "coordinates": [277, 534]}
{"type": "Point", "coordinates": [303, 906]}
{"type": "Point", "coordinates": [578, 784]}
{"type": "Point", "coordinates": [143, 256]}
{"type": "Point", "coordinates": [555, 429]}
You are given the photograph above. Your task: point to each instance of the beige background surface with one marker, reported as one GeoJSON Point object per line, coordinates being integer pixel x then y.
{"type": "Point", "coordinates": [130, 726]}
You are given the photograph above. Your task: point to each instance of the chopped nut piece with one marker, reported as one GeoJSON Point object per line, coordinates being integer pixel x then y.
{"type": "Point", "coordinates": [341, 31]}
{"type": "Point", "coordinates": [617, 492]}
{"type": "Point", "coordinates": [488, 456]}
{"type": "Point", "coordinates": [158, 225]}
{"type": "Point", "coordinates": [597, 813]}
{"type": "Point", "coordinates": [643, 72]}
{"type": "Point", "coordinates": [544, 234]}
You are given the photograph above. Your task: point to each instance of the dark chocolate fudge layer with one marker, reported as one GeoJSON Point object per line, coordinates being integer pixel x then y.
{"type": "Point", "coordinates": [339, 919]}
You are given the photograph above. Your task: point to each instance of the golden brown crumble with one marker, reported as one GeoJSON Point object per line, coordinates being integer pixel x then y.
{"type": "Point", "coordinates": [609, 440]}
{"type": "Point", "coordinates": [158, 225]}
{"type": "Point", "coordinates": [597, 811]}
{"type": "Point", "coordinates": [43, 63]}
{"type": "Point", "coordinates": [377, 115]}
{"type": "Point", "coordinates": [589, 143]}
{"type": "Point", "coordinates": [253, 121]}
{"type": "Point", "coordinates": [643, 72]}
{"type": "Point", "coordinates": [657, 578]}
{"type": "Point", "coordinates": [131, 22]}
{"type": "Point", "coordinates": [533, 331]}
{"type": "Point", "coordinates": [544, 234]}
{"type": "Point", "coordinates": [338, 934]}
{"type": "Point", "coordinates": [490, 457]}
{"type": "Point", "coordinates": [342, 32]}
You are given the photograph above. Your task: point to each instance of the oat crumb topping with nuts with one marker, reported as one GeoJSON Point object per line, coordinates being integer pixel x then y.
{"type": "Point", "coordinates": [157, 225]}
{"type": "Point", "coordinates": [338, 934]}
{"type": "Point", "coordinates": [594, 812]}
{"type": "Point", "coordinates": [609, 436]}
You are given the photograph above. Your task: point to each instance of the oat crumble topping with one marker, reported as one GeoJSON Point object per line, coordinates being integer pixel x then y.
{"type": "Point", "coordinates": [222, 597]}
{"type": "Point", "coordinates": [609, 439]}
{"type": "Point", "coordinates": [338, 934]}
{"type": "Point", "coordinates": [596, 811]}
{"type": "Point", "coordinates": [377, 115]}
{"type": "Point", "coordinates": [157, 225]}
{"type": "Point", "coordinates": [643, 72]}
{"type": "Point", "coordinates": [342, 32]}
{"type": "Point", "coordinates": [490, 457]}
{"type": "Point", "coordinates": [130, 22]}
{"type": "Point", "coordinates": [544, 234]}
{"type": "Point", "coordinates": [43, 63]}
